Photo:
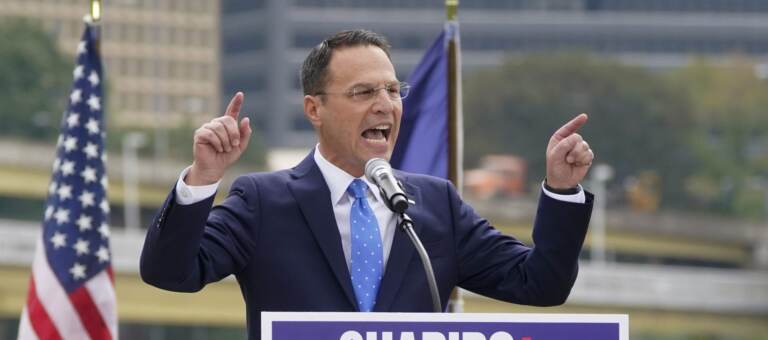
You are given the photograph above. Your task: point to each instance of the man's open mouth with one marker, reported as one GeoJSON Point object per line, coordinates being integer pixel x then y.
{"type": "Point", "coordinates": [379, 133]}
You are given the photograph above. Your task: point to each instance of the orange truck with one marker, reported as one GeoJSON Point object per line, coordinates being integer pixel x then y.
{"type": "Point", "coordinates": [499, 176]}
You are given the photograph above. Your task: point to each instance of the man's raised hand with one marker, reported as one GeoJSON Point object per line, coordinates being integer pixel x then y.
{"type": "Point", "coordinates": [568, 155]}
{"type": "Point", "coordinates": [219, 143]}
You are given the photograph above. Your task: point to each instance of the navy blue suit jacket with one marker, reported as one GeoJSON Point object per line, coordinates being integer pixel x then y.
{"type": "Point", "coordinates": [277, 234]}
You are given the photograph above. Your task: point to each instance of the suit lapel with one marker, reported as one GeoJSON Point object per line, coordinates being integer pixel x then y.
{"type": "Point", "coordinates": [311, 192]}
{"type": "Point", "coordinates": [400, 255]}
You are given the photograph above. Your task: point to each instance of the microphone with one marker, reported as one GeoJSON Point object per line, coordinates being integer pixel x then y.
{"type": "Point", "coordinates": [379, 171]}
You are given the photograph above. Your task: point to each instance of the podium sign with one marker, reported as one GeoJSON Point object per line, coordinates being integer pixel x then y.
{"type": "Point", "coordinates": [446, 326]}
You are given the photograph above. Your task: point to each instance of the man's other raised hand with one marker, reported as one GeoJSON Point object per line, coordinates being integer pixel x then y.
{"type": "Point", "coordinates": [219, 143]}
{"type": "Point", "coordinates": [568, 155]}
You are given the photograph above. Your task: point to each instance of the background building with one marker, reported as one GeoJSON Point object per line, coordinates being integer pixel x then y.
{"type": "Point", "coordinates": [161, 57]}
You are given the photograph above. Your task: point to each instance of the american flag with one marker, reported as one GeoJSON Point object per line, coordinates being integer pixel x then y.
{"type": "Point", "coordinates": [71, 289]}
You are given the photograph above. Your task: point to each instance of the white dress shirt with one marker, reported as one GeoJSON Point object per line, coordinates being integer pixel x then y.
{"type": "Point", "coordinates": [338, 181]}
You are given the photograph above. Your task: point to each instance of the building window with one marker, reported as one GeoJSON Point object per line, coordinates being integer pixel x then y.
{"type": "Point", "coordinates": [176, 70]}
{"type": "Point", "coordinates": [309, 40]}
{"type": "Point", "coordinates": [236, 6]}
{"type": "Point", "coordinates": [205, 39]}
{"type": "Point", "coordinates": [243, 42]}
{"type": "Point", "coordinates": [245, 81]}
{"type": "Point", "coordinates": [160, 103]}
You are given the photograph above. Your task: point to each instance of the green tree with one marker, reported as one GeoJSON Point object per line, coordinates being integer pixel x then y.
{"type": "Point", "coordinates": [728, 135]}
{"type": "Point", "coordinates": [35, 76]}
{"type": "Point", "coordinates": [636, 116]}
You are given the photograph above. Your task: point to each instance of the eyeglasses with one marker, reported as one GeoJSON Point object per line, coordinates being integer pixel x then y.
{"type": "Point", "coordinates": [361, 93]}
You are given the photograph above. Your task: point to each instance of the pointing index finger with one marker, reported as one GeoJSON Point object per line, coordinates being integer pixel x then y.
{"type": "Point", "coordinates": [572, 126]}
{"type": "Point", "coordinates": [233, 109]}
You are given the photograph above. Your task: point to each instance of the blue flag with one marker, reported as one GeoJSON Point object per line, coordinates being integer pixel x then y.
{"type": "Point", "coordinates": [422, 145]}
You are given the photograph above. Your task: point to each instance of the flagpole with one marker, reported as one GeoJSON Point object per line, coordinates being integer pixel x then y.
{"type": "Point", "coordinates": [455, 120]}
{"type": "Point", "coordinates": [94, 20]}
{"type": "Point", "coordinates": [455, 123]}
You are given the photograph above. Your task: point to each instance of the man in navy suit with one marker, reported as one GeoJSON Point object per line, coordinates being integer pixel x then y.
{"type": "Point", "coordinates": [303, 239]}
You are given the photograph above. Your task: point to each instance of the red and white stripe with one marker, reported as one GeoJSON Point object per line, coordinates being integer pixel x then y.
{"type": "Point", "coordinates": [90, 312]}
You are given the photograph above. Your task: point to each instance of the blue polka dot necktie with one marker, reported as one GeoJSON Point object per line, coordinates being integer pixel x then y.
{"type": "Point", "coordinates": [366, 264]}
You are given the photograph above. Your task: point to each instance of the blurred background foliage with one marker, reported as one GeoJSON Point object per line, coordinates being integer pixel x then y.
{"type": "Point", "coordinates": [697, 134]}
{"type": "Point", "coordinates": [34, 77]}
{"type": "Point", "coordinates": [728, 136]}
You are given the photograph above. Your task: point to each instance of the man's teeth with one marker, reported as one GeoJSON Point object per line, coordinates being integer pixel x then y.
{"type": "Point", "coordinates": [377, 133]}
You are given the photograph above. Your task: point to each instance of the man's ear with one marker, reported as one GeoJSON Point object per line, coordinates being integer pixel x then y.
{"type": "Point", "coordinates": [312, 109]}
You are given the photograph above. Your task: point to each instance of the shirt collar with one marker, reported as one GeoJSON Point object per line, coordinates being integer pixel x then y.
{"type": "Point", "coordinates": [339, 180]}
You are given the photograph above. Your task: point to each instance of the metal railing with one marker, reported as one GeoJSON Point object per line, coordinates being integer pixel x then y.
{"type": "Point", "coordinates": [611, 284]}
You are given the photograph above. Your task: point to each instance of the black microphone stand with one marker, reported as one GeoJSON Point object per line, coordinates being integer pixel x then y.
{"type": "Point", "coordinates": [406, 223]}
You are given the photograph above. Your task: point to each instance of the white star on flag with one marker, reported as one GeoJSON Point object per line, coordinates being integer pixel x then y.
{"type": "Point", "coordinates": [81, 247]}
{"type": "Point", "coordinates": [48, 212]}
{"type": "Point", "coordinates": [77, 271]}
{"type": "Point", "coordinates": [70, 143]}
{"type": "Point", "coordinates": [104, 182]}
{"type": "Point", "coordinates": [102, 254]}
{"type": "Point", "coordinates": [76, 96]}
{"type": "Point", "coordinates": [81, 47]}
{"type": "Point", "coordinates": [67, 168]}
{"type": "Point", "coordinates": [92, 126]}
{"type": "Point", "coordinates": [104, 230]}
{"type": "Point", "coordinates": [91, 150]}
{"type": "Point", "coordinates": [88, 174]}
{"type": "Point", "coordinates": [86, 199]}
{"type": "Point", "coordinates": [52, 188]}
{"type": "Point", "coordinates": [78, 72]}
{"type": "Point", "coordinates": [94, 103]}
{"type": "Point", "coordinates": [61, 216]}
{"type": "Point", "coordinates": [64, 192]}
{"type": "Point", "coordinates": [104, 205]}
{"type": "Point", "coordinates": [56, 164]}
{"type": "Point", "coordinates": [84, 223]}
{"type": "Point", "coordinates": [73, 120]}
{"type": "Point", "coordinates": [93, 78]}
{"type": "Point", "coordinates": [59, 240]}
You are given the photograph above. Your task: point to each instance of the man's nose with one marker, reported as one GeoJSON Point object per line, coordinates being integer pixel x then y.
{"type": "Point", "coordinates": [383, 101]}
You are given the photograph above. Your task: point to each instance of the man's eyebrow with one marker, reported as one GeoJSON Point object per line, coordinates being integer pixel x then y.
{"type": "Point", "coordinates": [390, 82]}
{"type": "Point", "coordinates": [361, 85]}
